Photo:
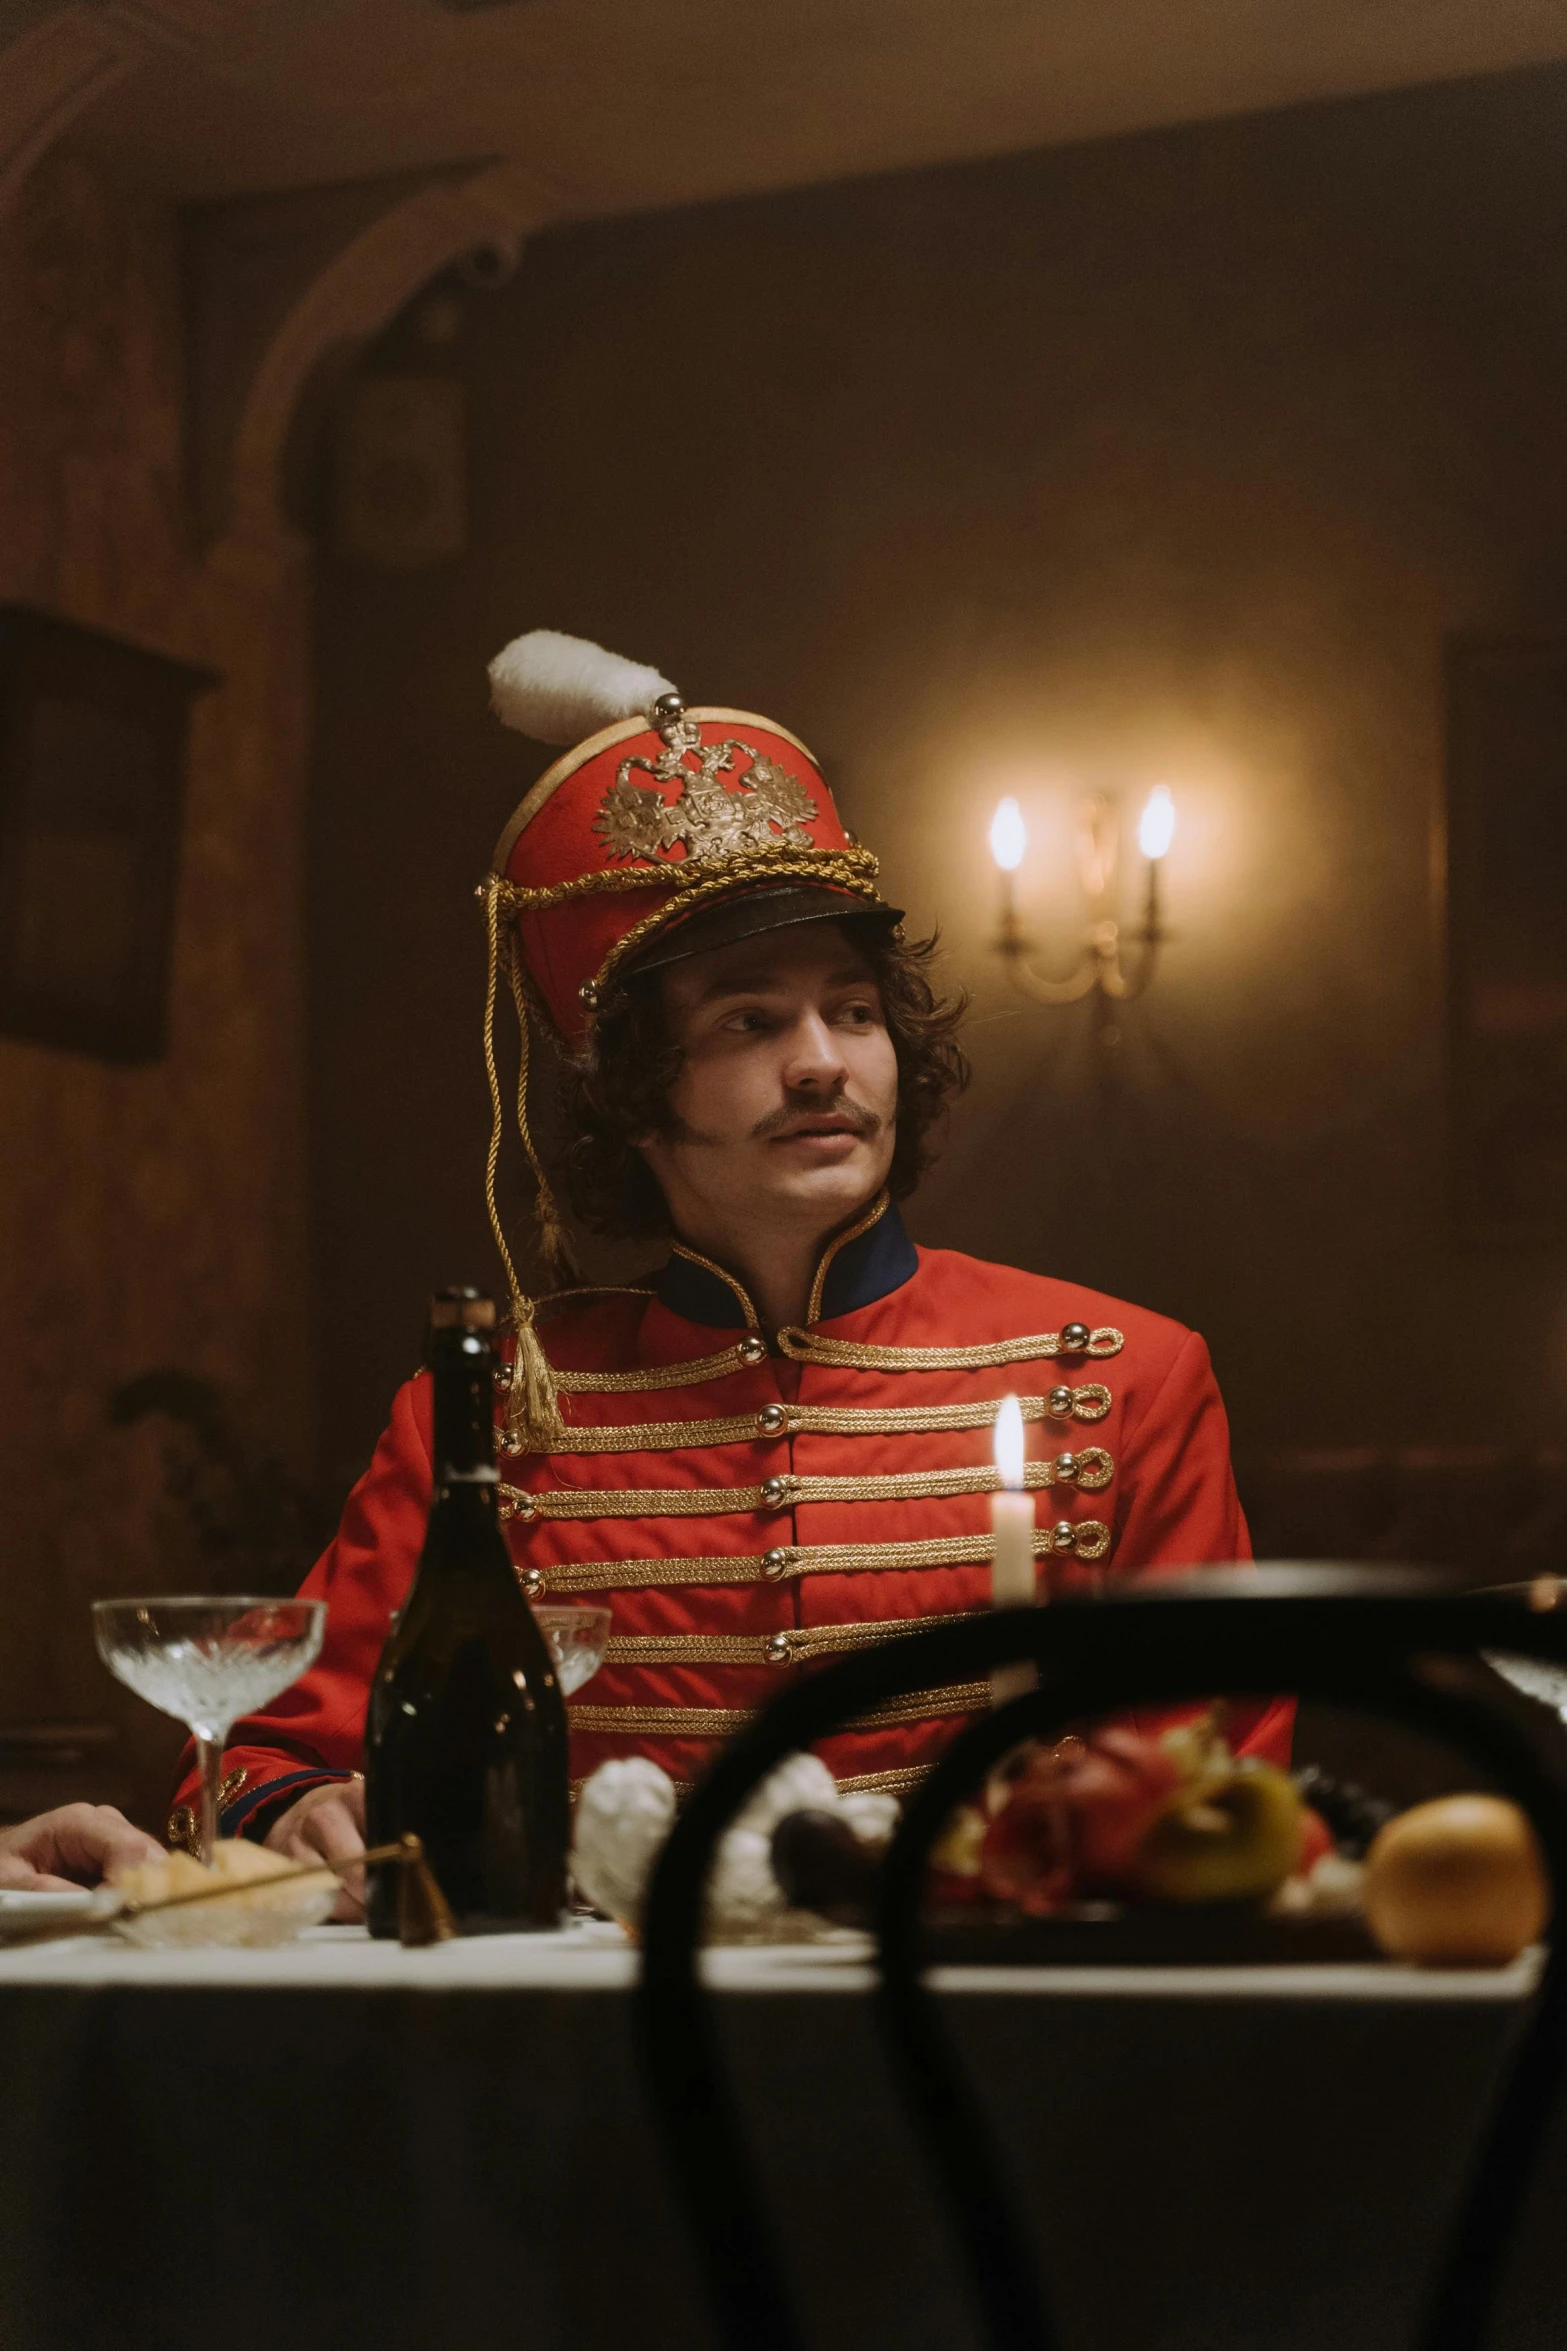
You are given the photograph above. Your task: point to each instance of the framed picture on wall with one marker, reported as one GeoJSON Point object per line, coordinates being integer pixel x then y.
{"type": "Point", "coordinates": [1507, 934]}
{"type": "Point", "coordinates": [93, 737]}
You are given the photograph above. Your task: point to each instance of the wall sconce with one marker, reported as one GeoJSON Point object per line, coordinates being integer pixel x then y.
{"type": "Point", "coordinates": [1099, 968]}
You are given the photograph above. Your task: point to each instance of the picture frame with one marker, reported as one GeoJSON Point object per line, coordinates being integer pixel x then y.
{"type": "Point", "coordinates": [1506, 895]}
{"type": "Point", "coordinates": [94, 736]}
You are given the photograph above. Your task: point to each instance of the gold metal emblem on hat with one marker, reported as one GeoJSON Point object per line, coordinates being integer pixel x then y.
{"type": "Point", "coordinates": [765, 807]}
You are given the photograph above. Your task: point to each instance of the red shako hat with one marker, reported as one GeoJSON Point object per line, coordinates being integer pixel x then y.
{"type": "Point", "coordinates": [657, 814]}
{"type": "Point", "coordinates": [663, 831]}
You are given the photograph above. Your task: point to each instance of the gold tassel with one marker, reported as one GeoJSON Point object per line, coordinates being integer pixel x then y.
{"type": "Point", "coordinates": [533, 1417]}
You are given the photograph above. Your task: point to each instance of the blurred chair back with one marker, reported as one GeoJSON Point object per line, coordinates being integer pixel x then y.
{"type": "Point", "coordinates": [1400, 1645]}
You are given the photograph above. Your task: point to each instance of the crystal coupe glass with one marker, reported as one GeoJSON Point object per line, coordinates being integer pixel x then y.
{"type": "Point", "coordinates": [207, 1662]}
{"type": "Point", "coordinates": [578, 1637]}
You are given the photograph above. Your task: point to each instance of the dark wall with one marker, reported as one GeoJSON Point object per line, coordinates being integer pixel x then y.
{"type": "Point", "coordinates": [1170, 458]}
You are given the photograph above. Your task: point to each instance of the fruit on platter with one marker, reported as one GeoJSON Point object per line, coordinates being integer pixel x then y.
{"type": "Point", "coordinates": [1352, 1816]}
{"type": "Point", "coordinates": [1073, 1818]}
{"type": "Point", "coordinates": [1172, 1819]}
{"type": "Point", "coordinates": [1232, 1836]}
{"type": "Point", "coordinates": [1459, 1882]}
{"type": "Point", "coordinates": [1316, 1840]}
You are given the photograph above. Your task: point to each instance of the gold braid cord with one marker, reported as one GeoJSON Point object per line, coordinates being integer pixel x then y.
{"type": "Point", "coordinates": [852, 869]}
{"type": "Point", "coordinates": [696, 1369]}
{"type": "Point", "coordinates": [552, 1233]}
{"type": "Point", "coordinates": [807, 1347]}
{"type": "Point", "coordinates": [692, 882]}
{"type": "Point", "coordinates": [533, 1421]}
{"type": "Point", "coordinates": [793, 1646]}
{"type": "Point", "coordinates": [1092, 1470]}
{"type": "Point", "coordinates": [1091, 1539]}
{"type": "Point", "coordinates": [1089, 1402]}
{"type": "Point", "coordinates": [718, 1722]}
{"type": "Point", "coordinates": [884, 1783]}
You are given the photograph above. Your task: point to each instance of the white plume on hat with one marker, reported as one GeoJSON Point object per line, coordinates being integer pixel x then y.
{"type": "Point", "coordinates": [561, 689]}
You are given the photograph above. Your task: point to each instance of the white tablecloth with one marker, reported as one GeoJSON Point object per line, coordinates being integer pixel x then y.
{"type": "Point", "coordinates": [343, 2144]}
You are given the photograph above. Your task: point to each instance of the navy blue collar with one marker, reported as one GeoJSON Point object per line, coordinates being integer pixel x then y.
{"type": "Point", "coordinates": [873, 1258]}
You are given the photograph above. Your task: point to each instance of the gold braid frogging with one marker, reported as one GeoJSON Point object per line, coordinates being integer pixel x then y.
{"type": "Point", "coordinates": [1090, 1542]}
{"type": "Point", "coordinates": [1091, 1470]}
{"type": "Point", "coordinates": [1090, 1402]}
{"type": "Point", "coordinates": [741, 1357]}
{"type": "Point", "coordinates": [791, 1646]}
{"type": "Point", "coordinates": [803, 1346]}
{"type": "Point", "coordinates": [718, 1722]}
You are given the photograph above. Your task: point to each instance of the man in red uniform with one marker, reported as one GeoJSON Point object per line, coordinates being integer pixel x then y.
{"type": "Point", "coordinates": [778, 1448]}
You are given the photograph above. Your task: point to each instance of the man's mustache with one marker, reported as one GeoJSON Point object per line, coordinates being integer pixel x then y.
{"type": "Point", "coordinates": [854, 1116]}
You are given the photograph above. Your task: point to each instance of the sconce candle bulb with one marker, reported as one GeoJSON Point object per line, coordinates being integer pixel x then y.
{"type": "Point", "coordinates": [1008, 836]}
{"type": "Point", "coordinates": [1157, 829]}
{"type": "Point", "coordinates": [1099, 971]}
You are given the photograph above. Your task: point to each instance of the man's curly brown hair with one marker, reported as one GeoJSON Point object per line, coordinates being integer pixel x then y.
{"type": "Point", "coordinates": [621, 1088]}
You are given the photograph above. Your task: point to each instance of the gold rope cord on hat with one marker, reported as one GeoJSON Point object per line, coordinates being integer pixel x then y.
{"type": "Point", "coordinates": [533, 1419]}
{"type": "Point", "coordinates": [552, 1232]}
{"type": "Point", "coordinates": [855, 869]}
{"type": "Point", "coordinates": [691, 882]}
{"type": "Point", "coordinates": [825, 865]}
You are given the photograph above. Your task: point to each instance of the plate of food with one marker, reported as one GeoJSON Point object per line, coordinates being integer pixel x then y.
{"type": "Point", "coordinates": [1130, 1849]}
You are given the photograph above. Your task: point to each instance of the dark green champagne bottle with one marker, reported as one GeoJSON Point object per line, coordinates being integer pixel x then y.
{"type": "Point", "coordinates": [465, 1742]}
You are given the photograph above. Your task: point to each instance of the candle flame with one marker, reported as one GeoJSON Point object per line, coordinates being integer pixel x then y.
{"type": "Point", "coordinates": [1156, 830]}
{"type": "Point", "coordinates": [1009, 1444]}
{"type": "Point", "coordinates": [1008, 836]}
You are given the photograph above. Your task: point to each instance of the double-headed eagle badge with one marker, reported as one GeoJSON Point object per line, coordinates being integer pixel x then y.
{"type": "Point", "coordinates": [766, 808]}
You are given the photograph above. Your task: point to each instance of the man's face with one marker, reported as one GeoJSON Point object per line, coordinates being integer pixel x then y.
{"type": "Point", "coordinates": [784, 1109]}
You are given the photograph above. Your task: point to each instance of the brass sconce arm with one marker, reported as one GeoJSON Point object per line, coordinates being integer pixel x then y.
{"type": "Point", "coordinates": [1100, 967]}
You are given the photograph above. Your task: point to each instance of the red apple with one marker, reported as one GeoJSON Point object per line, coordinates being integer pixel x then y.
{"type": "Point", "coordinates": [1074, 1819]}
{"type": "Point", "coordinates": [1027, 1855]}
{"type": "Point", "coordinates": [1120, 1786]}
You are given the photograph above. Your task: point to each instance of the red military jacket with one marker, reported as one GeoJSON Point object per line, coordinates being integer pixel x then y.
{"type": "Point", "coordinates": [747, 1509]}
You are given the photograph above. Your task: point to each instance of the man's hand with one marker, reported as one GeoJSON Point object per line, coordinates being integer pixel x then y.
{"type": "Point", "coordinates": [327, 1823]}
{"type": "Point", "coordinates": [78, 1845]}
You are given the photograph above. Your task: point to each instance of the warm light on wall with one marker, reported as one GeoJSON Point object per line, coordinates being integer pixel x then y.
{"type": "Point", "coordinates": [1098, 968]}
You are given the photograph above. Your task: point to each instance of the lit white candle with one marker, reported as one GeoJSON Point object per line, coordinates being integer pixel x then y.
{"type": "Point", "coordinates": [1012, 1582]}
{"type": "Point", "coordinates": [1011, 1515]}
